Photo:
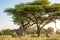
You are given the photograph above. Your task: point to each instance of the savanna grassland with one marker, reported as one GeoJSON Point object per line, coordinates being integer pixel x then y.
{"type": "Point", "coordinates": [31, 37]}
{"type": "Point", "coordinates": [37, 13]}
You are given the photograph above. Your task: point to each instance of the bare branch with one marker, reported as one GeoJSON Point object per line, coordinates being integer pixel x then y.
{"type": "Point", "coordinates": [45, 24]}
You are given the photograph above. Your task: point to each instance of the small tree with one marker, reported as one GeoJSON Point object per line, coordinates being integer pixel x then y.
{"type": "Point", "coordinates": [43, 31]}
{"type": "Point", "coordinates": [31, 30]}
{"type": "Point", "coordinates": [58, 31]}
{"type": "Point", "coordinates": [50, 30]}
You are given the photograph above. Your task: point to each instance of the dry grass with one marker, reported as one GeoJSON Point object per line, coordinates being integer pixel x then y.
{"type": "Point", "coordinates": [8, 37]}
{"type": "Point", "coordinates": [42, 37]}
{"type": "Point", "coordinates": [31, 37]}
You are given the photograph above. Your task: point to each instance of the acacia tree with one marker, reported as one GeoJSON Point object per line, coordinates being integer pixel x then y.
{"type": "Point", "coordinates": [37, 12]}
{"type": "Point", "coordinates": [22, 11]}
{"type": "Point", "coordinates": [50, 30]}
{"type": "Point", "coordinates": [18, 16]}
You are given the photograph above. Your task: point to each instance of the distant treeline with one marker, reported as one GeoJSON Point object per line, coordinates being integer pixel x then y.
{"type": "Point", "coordinates": [17, 32]}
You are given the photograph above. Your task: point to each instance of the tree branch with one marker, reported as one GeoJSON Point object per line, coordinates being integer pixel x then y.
{"type": "Point", "coordinates": [45, 24]}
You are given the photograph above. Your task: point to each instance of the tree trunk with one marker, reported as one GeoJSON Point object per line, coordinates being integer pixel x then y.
{"type": "Point", "coordinates": [55, 24]}
{"type": "Point", "coordinates": [38, 28]}
{"type": "Point", "coordinates": [23, 29]}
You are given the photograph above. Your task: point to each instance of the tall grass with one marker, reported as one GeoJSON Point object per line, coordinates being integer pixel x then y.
{"type": "Point", "coordinates": [31, 37]}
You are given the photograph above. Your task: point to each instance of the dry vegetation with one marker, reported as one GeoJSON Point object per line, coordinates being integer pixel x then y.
{"type": "Point", "coordinates": [8, 37]}
{"type": "Point", "coordinates": [31, 37]}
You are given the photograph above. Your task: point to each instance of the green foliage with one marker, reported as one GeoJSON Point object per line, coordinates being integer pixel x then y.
{"type": "Point", "coordinates": [6, 32]}
{"type": "Point", "coordinates": [9, 32]}
{"type": "Point", "coordinates": [45, 2]}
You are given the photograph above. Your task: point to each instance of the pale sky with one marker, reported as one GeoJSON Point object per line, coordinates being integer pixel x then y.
{"type": "Point", "coordinates": [5, 20]}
